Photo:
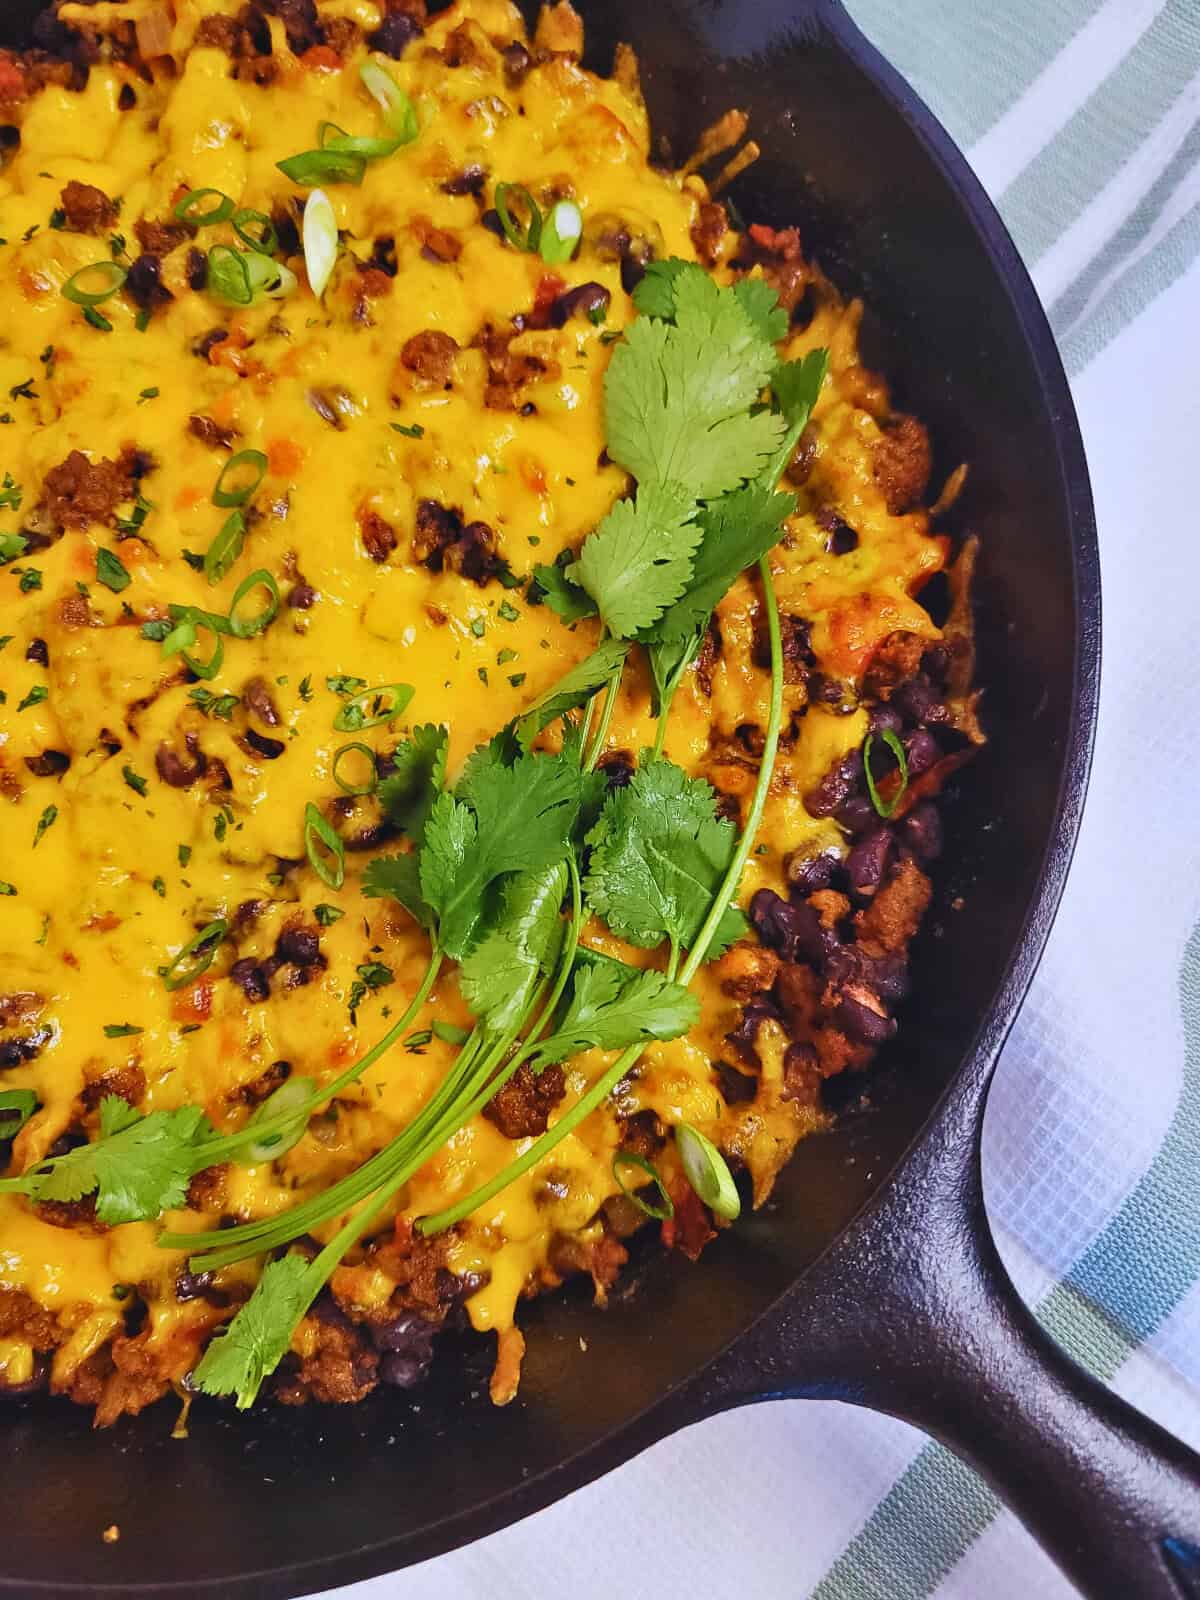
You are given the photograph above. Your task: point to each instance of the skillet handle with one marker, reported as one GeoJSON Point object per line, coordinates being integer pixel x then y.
{"type": "Point", "coordinates": [912, 1312]}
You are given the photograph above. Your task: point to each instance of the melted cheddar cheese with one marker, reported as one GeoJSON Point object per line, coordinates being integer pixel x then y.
{"type": "Point", "coordinates": [109, 883]}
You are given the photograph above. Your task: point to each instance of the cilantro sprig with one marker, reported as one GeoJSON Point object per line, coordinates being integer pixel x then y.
{"type": "Point", "coordinates": [702, 413]}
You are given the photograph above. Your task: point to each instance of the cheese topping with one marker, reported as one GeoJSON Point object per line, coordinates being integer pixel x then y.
{"type": "Point", "coordinates": [115, 861]}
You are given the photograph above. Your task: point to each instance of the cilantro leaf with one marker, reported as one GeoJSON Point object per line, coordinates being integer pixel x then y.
{"type": "Point", "coordinates": [608, 1012]}
{"type": "Point", "coordinates": [138, 1168]}
{"type": "Point", "coordinates": [737, 530]}
{"type": "Point", "coordinates": [247, 1350]}
{"type": "Point", "coordinates": [501, 819]}
{"type": "Point", "coordinates": [761, 304]}
{"type": "Point", "coordinates": [640, 557]}
{"type": "Point", "coordinates": [564, 598]}
{"type": "Point", "coordinates": [408, 795]}
{"type": "Point", "coordinates": [12, 545]}
{"type": "Point", "coordinates": [797, 384]}
{"type": "Point", "coordinates": [655, 294]}
{"type": "Point", "coordinates": [498, 977]}
{"type": "Point", "coordinates": [659, 853]}
{"type": "Point", "coordinates": [398, 878]}
{"type": "Point", "coordinates": [678, 397]}
{"type": "Point", "coordinates": [574, 688]}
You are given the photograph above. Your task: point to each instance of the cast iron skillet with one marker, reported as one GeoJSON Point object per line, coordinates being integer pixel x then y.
{"type": "Point", "coordinates": [872, 1277]}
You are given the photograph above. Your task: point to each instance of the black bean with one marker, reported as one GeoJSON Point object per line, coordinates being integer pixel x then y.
{"type": "Point", "coordinates": [838, 784]}
{"type": "Point", "coordinates": [867, 862]}
{"type": "Point", "coordinates": [251, 978]}
{"type": "Point", "coordinates": [618, 768]}
{"type": "Point", "coordinates": [50, 764]}
{"type": "Point", "coordinates": [914, 699]}
{"type": "Point", "coordinates": [791, 928]}
{"type": "Point", "coordinates": [743, 1038]}
{"type": "Point", "coordinates": [268, 749]}
{"type": "Point", "coordinates": [862, 1022]}
{"type": "Point", "coordinates": [588, 300]}
{"type": "Point", "coordinates": [395, 34]}
{"type": "Point", "coordinates": [857, 815]}
{"type": "Point", "coordinates": [936, 663]}
{"type": "Point", "coordinates": [737, 1087]}
{"type": "Point", "coordinates": [469, 181]}
{"type": "Point", "coordinates": [922, 751]}
{"type": "Point", "coordinates": [884, 719]}
{"type": "Point", "coordinates": [37, 652]}
{"type": "Point", "coordinates": [301, 597]}
{"type": "Point", "coordinates": [921, 831]}
{"type": "Point", "coordinates": [197, 269]}
{"type": "Point", "coordinates": [172, 768]}
{"type": "Point", "coordinates": [145, 285]}
{"type": "Point", "coordinates": [807, 874]}
{"type": "Point", "coordinates": [885, 975]}
{"type": "Point", "coordinates": [801, 1074]}
{"type": "Point", "coordinates": [301, 946]}
{"type": "Point", "coordinates": [16, 1052]}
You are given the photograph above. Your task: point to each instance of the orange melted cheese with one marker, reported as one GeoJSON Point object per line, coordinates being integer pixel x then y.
{"type": "Point", "coordinates": [109, 895]}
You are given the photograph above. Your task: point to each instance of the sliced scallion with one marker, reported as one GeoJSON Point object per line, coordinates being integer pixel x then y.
{"type": "Point", "coordinates": [193, 207]}
{"type": "Point", "coordinates": [248, 627]}
{"type": "Point", "coordinates": [705, 1169]}
{"type": "Point", "coordinates": [295, 1092]}
{"type": "Point", "coordinates": [356, 748]}
{"type": "Point", "coordinates": [331, 137]}
{"type": "Point", "coordinates": [225, 548]}
{"type": "Point", "coordinates": [196, 956]}
{"type": "Point", "coordinates": [320, 241]}
{"type": "Point", "coordinates": [886, 808]}
{"type": "Point", "coordinates": [240, 478]}
{"type": "Point", "coordinates": [528, 237]}
{"type": "Point", "coordinates": [93, 285]}
{"type": "Point", "coordinates": [629, 1158]}
{"type": "Point", "coordinates": [228, 278]}
{"type": "Point", "coordinates": [319, 835]}
{"type": "Point", "coordinates": [312, 167]}
{"type": "Point", "coordinates": [398, 110]}
{"type": "Point", "coordinates": [369, 707]}
{"type": "Point", "coordinates": [268, 277]}
{"type": "Point", "coordinates": [561, 233]}
{"type": "Point", "coordinates": [256, 230]}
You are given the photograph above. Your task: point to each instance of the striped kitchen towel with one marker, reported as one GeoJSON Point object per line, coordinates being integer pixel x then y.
{"type": "Point", "coordinates": [1082, 118]}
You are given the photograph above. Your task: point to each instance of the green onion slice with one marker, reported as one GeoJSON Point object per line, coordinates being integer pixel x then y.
{"type": "Point", "coordinates": [312, 167]}
{"type": "Point", "coordinates": [183, 636]}
{"type": "Point", "coordinates": [256, 230]}
{"type": "Point", "coordinates": [530, 237]}
{"type": "Point", "coordinates": [628, 1158]}
{"type": "Point", "coordinates": [225, 548]}
{"type": "Point", "coordinates": [332, 137]}
{"type": "Point", "coordinates": [561, 234]}
{"type": "Point", "coordinates": [268, 276]}
{"type": "Point", "coordinates": [16, 1108]}
{"type": "Point", "coordinates": [192, 207]}
{"type": "Point", "coordinates": [398, 110]}
{"type": "Point", "coordinates": [318, 833]}
{"type": "Point", "coordinates": [228, 277]}
{"type": "Point", "coordinates": [886, 808]}
{"type": "Point", "coordinates": [247, 628]}
{"type": "Point", "coordinates": [292, 1093]}
{"type": "Point", "coordinates": [369, 707]}
{"type": "Point", "coordinates": [240, 478]}
{"type": "Point", "coordinates": [364, 750]}
{"type": "Point", "coordinates": [320, 241]}
{"type": "Point", "coordinates": [705, 1169]}
{"type": "Point", "coordinates": [93, 285]}
{"type": "Point", "coordinates": [196, 956]}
